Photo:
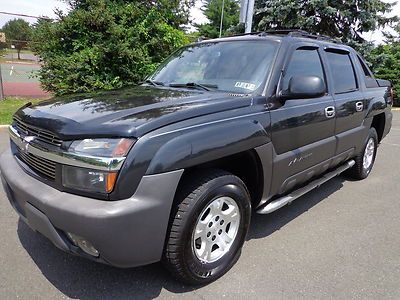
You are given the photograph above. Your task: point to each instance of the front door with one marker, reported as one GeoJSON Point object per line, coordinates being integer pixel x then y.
{"type": "Point", "coordinates": [302, 129]}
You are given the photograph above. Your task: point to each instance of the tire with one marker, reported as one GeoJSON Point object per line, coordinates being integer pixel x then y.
{"type": "Point", "coordinates": [363, 165]}
{"type": "Point", "coordinates": [204, 200]}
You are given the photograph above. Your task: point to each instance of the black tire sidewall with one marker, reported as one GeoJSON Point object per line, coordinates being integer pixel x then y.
{"type": "Point", "coordinates": [205, 272]}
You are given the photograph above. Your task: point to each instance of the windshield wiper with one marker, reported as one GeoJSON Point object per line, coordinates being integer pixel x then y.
{"type": "Point", "coordinates": [153, 82]}
{"type": "Point", "coordinates": [201, 86]}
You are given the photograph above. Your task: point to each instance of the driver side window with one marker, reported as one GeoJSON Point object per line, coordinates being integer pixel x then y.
{"type": "Point", "coordinates": [304, 62]}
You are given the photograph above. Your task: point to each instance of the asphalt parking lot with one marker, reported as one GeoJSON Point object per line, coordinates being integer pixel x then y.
{"type": "Point", "coordinates": [340, 241]}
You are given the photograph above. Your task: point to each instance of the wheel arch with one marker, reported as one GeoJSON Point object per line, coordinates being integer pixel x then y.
{"type": "Point", "coordinates": [246, 165]}
{"type": "Point", "coordinates": [378, 122]}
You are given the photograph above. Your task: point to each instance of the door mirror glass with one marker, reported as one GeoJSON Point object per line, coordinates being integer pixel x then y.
{"type": "Point", "coordinates": [303, 86]}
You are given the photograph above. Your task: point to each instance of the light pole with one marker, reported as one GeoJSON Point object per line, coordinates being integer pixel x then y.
{"type": "Point", "coordinates": [222, 18]}
{"type": "Point", "coordinates": [246, 14]}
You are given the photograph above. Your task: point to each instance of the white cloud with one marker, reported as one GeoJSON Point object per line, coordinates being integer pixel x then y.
{"type": "Point", "coordinates": [197, 15]}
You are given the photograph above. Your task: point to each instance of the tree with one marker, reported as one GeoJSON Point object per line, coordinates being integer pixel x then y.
{"type": "Point", "coordinates": [345, 20]}
{"type": "Point", "coordinates": [18, 32]}
{"type": "Point", "coordinates": [212, 10]}
{"type": "Point", "coordinates": [175, 12]}
{"type": "Point", "coordinates": [105, 44]}
{"type": "Point", "coordinates": [385, 60]}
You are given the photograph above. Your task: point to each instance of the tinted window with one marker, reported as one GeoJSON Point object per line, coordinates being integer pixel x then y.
{"type": "Point", "coordinates": [364, 67]}
{"type": "Point", "coordinates": [369, 80]}
{"type": "Point", "coordinates": [303, 62]}
{"type": "Point", "coordinates": [342, 71]}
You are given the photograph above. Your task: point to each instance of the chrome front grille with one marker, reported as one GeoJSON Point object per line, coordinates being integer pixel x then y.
{"type": "Point", "coordinates": [41, 165]}
{"type": "Point", "coordinates": [41, 134]}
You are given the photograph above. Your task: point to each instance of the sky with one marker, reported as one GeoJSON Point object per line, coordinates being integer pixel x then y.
{"type": "Point", "coordinates": [46, 8]}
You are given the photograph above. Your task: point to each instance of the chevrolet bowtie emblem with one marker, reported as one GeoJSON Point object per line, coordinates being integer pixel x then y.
{"type": "Point", "coordinates": [26, 141]}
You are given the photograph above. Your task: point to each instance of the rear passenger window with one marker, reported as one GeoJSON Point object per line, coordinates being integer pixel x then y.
{"type": "Point", "coordinates": [370, 82]}
{"type": "Point", "coordinates": [364, 67]}
{"type": "Point", "coordinates": [344, 79]}
{"type": "Point", "coordinates": [303, 62]}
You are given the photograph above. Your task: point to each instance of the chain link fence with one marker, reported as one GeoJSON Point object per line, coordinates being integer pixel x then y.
{"type": "Point", "coordinates": [18, 64]}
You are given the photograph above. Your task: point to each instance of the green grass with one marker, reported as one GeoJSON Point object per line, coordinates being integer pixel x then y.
{"type": "Point", "coordinates": [10, 105]}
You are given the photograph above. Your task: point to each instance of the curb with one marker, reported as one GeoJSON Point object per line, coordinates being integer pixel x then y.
{"type": "Point", "coordinates": [4, 126]}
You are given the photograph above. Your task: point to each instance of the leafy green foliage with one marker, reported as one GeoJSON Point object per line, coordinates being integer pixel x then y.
{"type": "Point", "coordinates": [18, 33]}
{"type": "Point", "coordinates": [212, 10]}
{"type": "Point", "coordinates": [345, 19]}
{"type": "Point", "coordinates": [105, 44]}
{"type": "Point", "coordinates": [385, 61]}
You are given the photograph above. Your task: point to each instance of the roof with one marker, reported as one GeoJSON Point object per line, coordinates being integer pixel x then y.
{"type": "Point", "coordinates": [287, 34]}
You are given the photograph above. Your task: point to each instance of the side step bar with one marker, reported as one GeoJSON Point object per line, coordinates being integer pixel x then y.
{"type": "Point", "coordinates": [278, 203]}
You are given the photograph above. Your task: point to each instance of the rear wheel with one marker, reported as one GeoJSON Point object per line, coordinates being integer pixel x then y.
{"type": "Point", "coordinates": [365, 160]}
{"type": "Point", "coordinates": [208, 227]}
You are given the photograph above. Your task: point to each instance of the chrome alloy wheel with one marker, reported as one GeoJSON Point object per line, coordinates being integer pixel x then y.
{"type": "Point", "coordinates": [216, 229]}
{"type": "Point", "coordinates": [369, 154]}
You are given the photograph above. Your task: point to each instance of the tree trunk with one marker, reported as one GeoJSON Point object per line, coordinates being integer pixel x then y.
{"type": "Point", "coordinates": [19, 51]}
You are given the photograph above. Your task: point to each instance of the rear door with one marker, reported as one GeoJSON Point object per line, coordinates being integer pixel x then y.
{"type": "Point", "coordinates": [349, 99]}
{"type": "Point", "coordinates": [302, 129]}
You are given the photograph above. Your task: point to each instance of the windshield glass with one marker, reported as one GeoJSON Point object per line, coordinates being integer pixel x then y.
{"type": "Point", "coordinates": [238, 66]}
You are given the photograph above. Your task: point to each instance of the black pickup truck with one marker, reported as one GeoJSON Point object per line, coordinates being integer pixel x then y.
{"type": "Point", "coordinates": [172, 169]}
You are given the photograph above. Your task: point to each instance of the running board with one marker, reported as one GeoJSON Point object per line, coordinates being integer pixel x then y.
{"type": "Point", "coordinates": [278, 203]}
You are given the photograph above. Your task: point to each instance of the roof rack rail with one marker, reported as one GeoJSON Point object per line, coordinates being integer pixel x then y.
{"type": "Point", "coordinates": [293, 33]}
{"type": "Point", "coordinates": [301, 33]}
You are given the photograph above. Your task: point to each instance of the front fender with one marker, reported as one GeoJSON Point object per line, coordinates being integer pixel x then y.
{"type": "Point", "coordinates": [207, 143]}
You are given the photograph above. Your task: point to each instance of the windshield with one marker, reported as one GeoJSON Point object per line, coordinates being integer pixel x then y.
{"type": "Point", "coordinates": [238, 66]}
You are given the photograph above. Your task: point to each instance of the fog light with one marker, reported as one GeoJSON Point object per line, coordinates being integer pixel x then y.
{"type": "Point", "coordinates": [83, 244]}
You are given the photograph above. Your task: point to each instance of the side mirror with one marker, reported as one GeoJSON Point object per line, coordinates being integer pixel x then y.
{"type": "Point", "coordinates": [302, 87]}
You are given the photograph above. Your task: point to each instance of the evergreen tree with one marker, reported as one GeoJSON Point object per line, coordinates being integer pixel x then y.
{"type": "Point", "coordinates": [385, 61]}
{"type": "Point", "coordinates": [345, 19]}
{"type": "Point", "coordinates": [212, 10]}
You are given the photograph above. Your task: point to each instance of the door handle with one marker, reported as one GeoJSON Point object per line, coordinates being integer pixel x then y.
{"type": "Point", "coordinates": [359, 106]}
{"type": "Point", "coordinates": [330, 111]}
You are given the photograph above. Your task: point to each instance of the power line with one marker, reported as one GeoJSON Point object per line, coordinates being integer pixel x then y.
{"type": "Point", "coordinates": [23, 15]}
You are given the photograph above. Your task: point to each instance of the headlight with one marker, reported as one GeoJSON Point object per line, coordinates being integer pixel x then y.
{"type": "Point", "coordinates": [102, 147]}
{"type": "Point", "coordinates": [92, 180]}
{"type": "Point", "coordinates": [88, 180]}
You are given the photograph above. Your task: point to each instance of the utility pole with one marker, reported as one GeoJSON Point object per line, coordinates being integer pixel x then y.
{"type": "Point", "coordinates": [246, 14]}
{"type": "Point", "coordinates": [222, 18]}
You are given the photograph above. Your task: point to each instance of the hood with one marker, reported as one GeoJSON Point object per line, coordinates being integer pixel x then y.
{"type": "Point", "coordinates": [128, 112]}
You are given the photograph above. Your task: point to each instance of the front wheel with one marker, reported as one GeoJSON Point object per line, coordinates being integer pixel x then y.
{"type": "Point", "coordinates": [208, 228]}
{"type": "Point", "coordinates": [365, 160]}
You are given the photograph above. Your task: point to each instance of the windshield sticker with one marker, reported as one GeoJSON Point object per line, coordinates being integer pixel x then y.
{"type": "Point", "coordinates": [245, 85]}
